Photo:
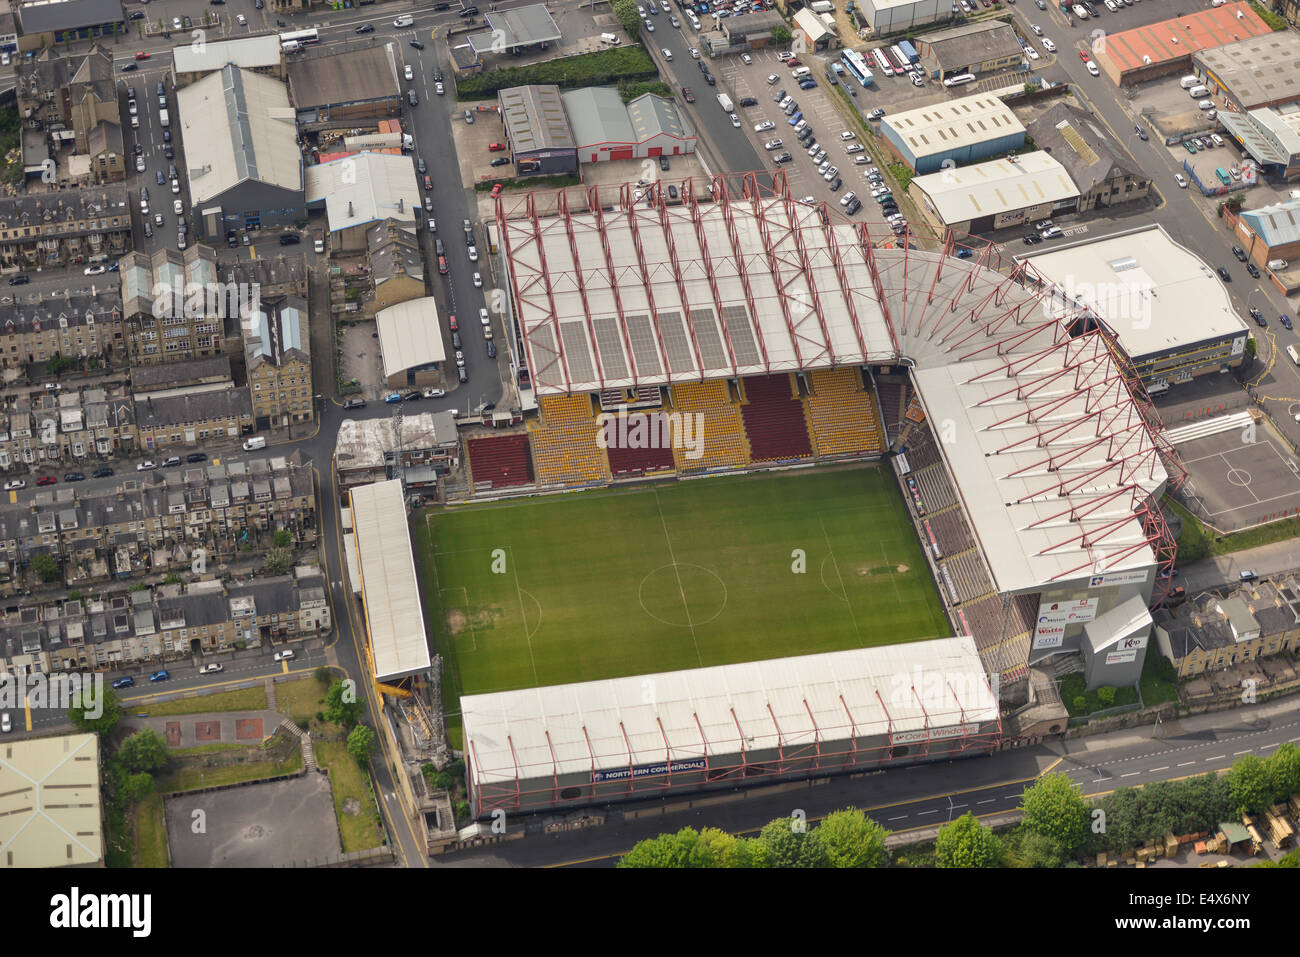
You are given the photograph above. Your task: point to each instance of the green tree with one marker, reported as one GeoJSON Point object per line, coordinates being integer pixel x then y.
{"type": "Point", "coordinates": [1284, 771]}
{"type": "Point", "coordinates": [1249, 784]}
{"type": "Point", "coordinates": [143, 751]}
{"type": "Point", "coordinates": [1054, 808]}
{"type": "Point", "coordinates": [283, 538]}
{"type": "Point", "coordinates": [46, 568]}
{"type": "Point", "coordinates": [790, 843]}
{"type": "Point", "coordinates": [1036, 850]}
{"type": "Point", "coordinates": [682, 849]}
{"type": "Point", "coordinates": [628, 18]}
{"type": "Point", "coordinates": [361, 744]}
{"type": "Point", "coordinates": [851, 839]}
{"type": "Point", "coordinates": [1080, 703]}
{"type": "Point", "coordinates": [137, 787]}
{"type": "Point", "coordinates": [727, 850]}
{"type": "Point", "coordinates": [966, 842]}
{"type": "Point", "coordinates": [278, 561]}
{"type": "Point", "coordinates": [172, 579]}
{"type": "Point", "coordinates": [95, 714]}
{"type": "Point", "coordinates": [781, 34]}
{"type": "Point", "coordinates": [340, 710]}
{"type": "Point", "coordinates": [1106, 695]}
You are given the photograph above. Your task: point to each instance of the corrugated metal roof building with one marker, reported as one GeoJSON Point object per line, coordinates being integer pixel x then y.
{"type": "Point", "coordinates": [537, 130]}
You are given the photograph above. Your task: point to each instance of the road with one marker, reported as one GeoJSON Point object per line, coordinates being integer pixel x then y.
{"type": "Point", "coordinates": [925, 795]}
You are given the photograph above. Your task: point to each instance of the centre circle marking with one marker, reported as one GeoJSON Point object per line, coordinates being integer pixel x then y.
{"type": "Point", "coordinates": [675, 568]}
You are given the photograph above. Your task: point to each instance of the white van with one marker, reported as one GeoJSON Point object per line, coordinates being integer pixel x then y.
{"type": "Point", "coordinates": [959, 79]}
{"type": "Point", "coordinates": [1276, 264]}
{"type": "Point", "coordinates": [1295, 356]}
{"type": "Point", "coordinates": [1159, 387]}
{"type": "Point", "coordinates": [802, 72]}
{"type": "Point", "coordinates": [1198, 92]}
{"type": "Point", "coordinates": [257, 442]}
{"type": "Point", "coordinates": [610, 38]}
{"type": "Point", "coordinates": [1188, 82]}
{"type": "Point", "coordinates": [405, 20]}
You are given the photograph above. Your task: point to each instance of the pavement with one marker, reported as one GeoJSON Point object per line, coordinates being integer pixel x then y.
{"type": "Point", "coordinates": [1214, 573]}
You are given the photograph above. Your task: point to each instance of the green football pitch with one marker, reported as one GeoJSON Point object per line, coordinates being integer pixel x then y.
{"type": "Point", "coordinates": [543, 591]}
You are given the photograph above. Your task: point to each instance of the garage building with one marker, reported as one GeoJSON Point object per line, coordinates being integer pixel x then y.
{"type": "Point", "coordinates": [511, 32]}
{"type": "Point", "coordinates": [890, 16]}
{"type": "Point", "coordinates": [605, 128]}
{"type": "Point", "coordinates": [1167, 47]}
{"type": "Point", "coordinates": [1269, 136]}
{"type": "Point", "coordinates": [537, 131]}
{"type": "Point", "coordinates": [1252, 73]}
{"type": "Point", "coordinates": [241, 147]}
{"type": "Point", "coordinates": [958, 132]}
{"type": "Point", "coordinates": [997, 194]}
{"type": "Point", "coordinates": [353, 85]}
{"type": "Point", "coordinates": [360, 190]}
{"type": "Point", "coordinates": [984, 47]}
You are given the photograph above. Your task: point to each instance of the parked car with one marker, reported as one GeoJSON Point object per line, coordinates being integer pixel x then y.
{"type": "Point", "coordinates": [159, 676]}
{"type": "Point", "coordinates": [212, 669]}
{"type": "Point", "coordinates": [393, 398]}
{"type": "Point", "coordinates": [127, 682]}
{"type": "Point", "coordinates": [1285, 320]}
{"type": "Point", "coordinates": [285, 655]}
{"type": "Point", "coordinates": [47, 480]}
{"type": "Point", "coordinates": [1253, 270]}
{"type": "Point", "coordinates": [14, 484]}
{"type": "Point", "coordinates": [1259, 318]}
{"type": "Point", "coordinates": [74, 476]}
{"type": "Point", "coordinates": [194, 457]}
{"type": "Point", "coordinates": [102, 472]}
{"type": "Point", "coordinates": [354, 404]}
{"type": "Point", "coordinates": [433, 393]}
{"type": "Point", "coordinates": [1224, 274]}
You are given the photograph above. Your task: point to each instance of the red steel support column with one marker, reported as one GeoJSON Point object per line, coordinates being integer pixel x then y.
{"type": "Point", "coordinates": [550, 296]}
{"type": "Point", "coordinates": [594, 204]}
{"type": "Point", "coordinates": [563, 200]}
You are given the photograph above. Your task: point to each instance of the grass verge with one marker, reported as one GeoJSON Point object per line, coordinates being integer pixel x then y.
{"type": "Point", "coordinates": [360, 830]}
{"type": "Point", "coordinates": [241, 699]}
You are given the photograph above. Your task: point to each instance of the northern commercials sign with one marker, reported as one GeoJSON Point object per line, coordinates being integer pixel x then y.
{"type": "Point", "coordinates": [1054, 617]}
{"type": "Point", "coordinates": [1118, 578]}
{"type": "Point", "coordinates": [647, 770]}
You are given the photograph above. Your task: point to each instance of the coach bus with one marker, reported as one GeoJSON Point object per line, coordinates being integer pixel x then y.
{"type": "Point", "coordinates": [856, 64]}
{"type": "Point", "coordinates": [901, 62]}
{"type": "Point", "coordinates": [297, 39]}
{"type": "Point", "coordinates": [882, 61]}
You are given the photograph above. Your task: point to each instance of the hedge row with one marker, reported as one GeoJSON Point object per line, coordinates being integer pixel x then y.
{"type": "Point", "coordinates": [602, 68]}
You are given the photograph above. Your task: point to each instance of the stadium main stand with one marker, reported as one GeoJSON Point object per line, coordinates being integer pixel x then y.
{"type": "Point", "coordinates": [724, 432]}
{"type": "Point", "coordinates": [951, 533]}
{"type": "Point", "coordinates": [774, 419]}
{"type": "Point", "coordinates": [842, 415]}
{"type": "Point", "coordinates": [564, 442]}
{"type": "Point", "coordinates": [500, 461]}
{"type": "Point", "coordinates": [892, 400]}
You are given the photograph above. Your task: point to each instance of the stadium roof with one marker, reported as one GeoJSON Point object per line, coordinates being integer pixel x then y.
{"type": "Point", "coordinates": [1181, 36]}
{"type": "Point", "coordinates": [49, 808]}
{"type": "Point", "coordinates": [998, 186]}
{"type": "Point", "coordinates": [409, 335]}
{"type": "Point", "coordinates": [390, 594]}
{"type": "Point", "coordinates": [640, 306]}
{"type": "Point", "coordinates": [519, 27]}
{"type": "Point", "coordinates": [365, 187]}
{"type": "Point", "coordinates": [354, 76]}
{"type": "Point", "coordinates": [942, 127]}
{"type": "Point", "coordinates": [534, 119]}
{"type": "Point", "coordinates": [601, 726]}
{"type": "Point", "coordinates": [1154, 294]}
{"type": "Point", "coordinates": [237, 126]}
{"type": "Point", "coordinates": [246, 52]}
{"type": "Point", "coordinates": [1277, 225]}
{"type": "Point", "coordinates": [48, 16]}
{"type": "Point", "coordinates": [1258, 70]}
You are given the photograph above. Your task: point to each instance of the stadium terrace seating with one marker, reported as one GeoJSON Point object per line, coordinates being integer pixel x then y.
{"type": "Point", "coordinates": [936, 491]}
{"type": "Point", "coordinates": [630, 461]}
{"type": "Point", "coordinates": [724, 431]}
{"type": "Point", "coordinates": [774, 419]}
{"type": "Point", "coordinates": [921, 450]}
{"type": "Point", "coordinates": [891, 404]}
{"type": "Point", "coordinates": [647, 394]}
{"type": "Point", "coordinates": [968, 576]}
{"type": "Point", "coordinates": [842, 415]}
{"type": "Point", "coordinates": [950, 532]}
{"type": "Point", "coordinates": [565, 449]}
{"type": "Point", "coordinates": [984, 619]}
{"type": "Point", "coordinates": [501, 460]}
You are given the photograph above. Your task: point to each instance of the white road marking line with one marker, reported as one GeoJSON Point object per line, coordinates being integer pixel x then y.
{"type": "Point", "coordinates": [1131, 774]}
{"type": "Point", "coordinates": [989, 801]}
{"type": "Point", "coordinates": [960, 805]}
{"type": "Point", "coordinates": [934, 811]}
{"type": "Point", "coordinates": [1186, 764]}
{"type": "Point", "coordinates": [900, 817]}
{"type": "Point", "coordinates": [1247, 751]}
{"type": "Point", "coordinates": [1165, 768]}
{"type": "Point", "coordinates": [1217, 757]}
